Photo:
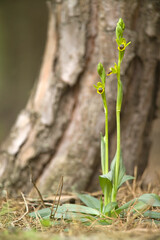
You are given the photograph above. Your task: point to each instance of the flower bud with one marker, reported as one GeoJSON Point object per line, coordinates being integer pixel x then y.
{"type": "Point", "coordinates": [120, 28]}
{"type": "Point", "coordinates": [100, 69]}
{"type": "Point", "coordinates": [121, 24]}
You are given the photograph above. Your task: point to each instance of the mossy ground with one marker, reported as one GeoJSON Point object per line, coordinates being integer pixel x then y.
{"type": "Point", "coordinates": [16, 224]}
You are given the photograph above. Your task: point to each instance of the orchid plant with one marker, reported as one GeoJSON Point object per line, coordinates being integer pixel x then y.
{"type": "Point", "coordinates": [110, 180]}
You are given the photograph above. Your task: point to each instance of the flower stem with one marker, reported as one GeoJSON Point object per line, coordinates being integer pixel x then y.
{"type": "Point", "coordinates": [106, 168]}
{"type": "Point", "coordinates": [118, 148]}
{"type": "Point", "coordinates": [106, 133]}
{"type": "Point", "coordinates": [118, 110]}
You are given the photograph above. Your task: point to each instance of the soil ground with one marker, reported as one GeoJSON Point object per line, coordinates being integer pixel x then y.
{"type": "Point", "coordinates": [15, 224]}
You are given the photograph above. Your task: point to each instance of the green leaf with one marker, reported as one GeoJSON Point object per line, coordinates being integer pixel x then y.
{"type": "Point", "coordinates": [124, 179]}
{"type": "Point", "coordinates": [101, 204]}
{"type": "Point", "coordinates": [79, 209]}
{"type": "Point", "coordinates": [126, 205]}
{"type": "Point", "coordinates": [74, 216]}
{"type": "Point", "coordinates": [139, 207]}
{"type": "Point", "coordinates": [45, 212]}
{"type": "Point", "coordinates": [106, 184]}
{"type": "Point", "coordinates": [104, 222]}
{"type": "Point", "coordinates": [107, 176]}
{"type": "Point", "coordinates": [89, 201]}
{"type": "Point", "coordinates": [113, 165]}
{"type": "Point", "coordinates": [150, 199]}
{"type": "Point", "coordinates": [152, 214]}
{"type": "Point", "coordinates": [121, 55]}
{"type": "Point", "coordinates": [157, 222]}
{"type": "Point", "coordinates": [110, 206]}
{"type": "Point", "coordinates": [121, 170]}
{"type": "Point", "coordinates": [46, 222]}
{"type": "Point", "coordinates": [66, 211]}
{"type": "Point", "coordinates": [141, 203]}
{"type": "Point", "coordinates": [103, 153]}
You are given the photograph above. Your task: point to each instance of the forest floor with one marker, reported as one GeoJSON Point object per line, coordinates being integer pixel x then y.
{"type": "Point", "coordinates": [15, 224]}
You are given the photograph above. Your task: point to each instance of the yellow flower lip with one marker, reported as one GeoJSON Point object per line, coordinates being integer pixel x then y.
{"type": "Point", "coordinates": [121, 47]}
{"type": "Point", "coordinates": [100, 90]}
{"type": "Point", "coordinates": [100, 87]}
{"type": "Point", "coordinates": [109, 73]}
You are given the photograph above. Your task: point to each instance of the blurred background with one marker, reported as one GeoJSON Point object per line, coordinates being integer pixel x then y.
{"type": "Point", "coordinates": [23, 26]}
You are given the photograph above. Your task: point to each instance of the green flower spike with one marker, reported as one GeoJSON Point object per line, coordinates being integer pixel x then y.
{"type": "Point", "coordinates": [119, 37]}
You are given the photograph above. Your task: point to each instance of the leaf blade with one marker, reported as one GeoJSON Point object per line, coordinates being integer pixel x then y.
{"type": "Point", "coordinates": [124, 179]}
{"type": "Point", "coordinates": [89, 201]}
{"type": "Point", "coordinates": [79, 208]}
{"type": "Point", "coordinates": [151, 199]}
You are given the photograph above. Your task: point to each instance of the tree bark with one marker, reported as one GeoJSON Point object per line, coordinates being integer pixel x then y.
{"type": "Point", "coordinates": [58, 133]}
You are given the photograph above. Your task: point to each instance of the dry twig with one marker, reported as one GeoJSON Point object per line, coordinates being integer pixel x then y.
{"type": "Point", "coordinates": [34, 184]}
{"type": "Point", "coordinates": [59, 190]}
{"type": "Point", "coordinates": [27, 210]}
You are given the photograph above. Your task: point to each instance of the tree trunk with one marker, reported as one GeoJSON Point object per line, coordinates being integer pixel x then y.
{"type": "Point", "coordinates": [58, 133]}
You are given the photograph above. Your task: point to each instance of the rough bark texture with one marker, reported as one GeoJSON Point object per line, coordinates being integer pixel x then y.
{"type": "Point", "coordinates": [58, 131]}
